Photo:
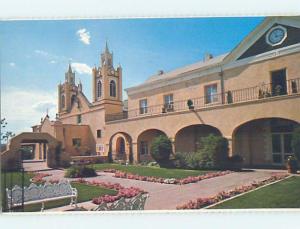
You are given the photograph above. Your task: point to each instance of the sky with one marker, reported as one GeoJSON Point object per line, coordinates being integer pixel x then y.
{"type": "Point", "coordinates": [34, 55]}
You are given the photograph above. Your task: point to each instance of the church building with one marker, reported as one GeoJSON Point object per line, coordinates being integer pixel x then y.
{"type": "Point", "coordinates": [251, 96]}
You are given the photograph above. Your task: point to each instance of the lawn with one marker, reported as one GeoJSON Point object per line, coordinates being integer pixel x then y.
{"type": "Point", "coordinates": [151, 171]}
{"type": "Point", "coordinates": [85, 192]}
{"type": "Point", "coordinates": [284, 194]}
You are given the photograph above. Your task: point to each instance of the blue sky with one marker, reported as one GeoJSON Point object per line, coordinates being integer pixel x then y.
{"type": "Point", "coordinates": [35, 55]}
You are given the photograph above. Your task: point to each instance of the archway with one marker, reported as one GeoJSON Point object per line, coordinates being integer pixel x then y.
{"type": "Point", "coordinates": [121, 147]}
{"type": "Point", "coordinates": [188, 139]}
{"type": "Point", "coordinates": [264, 142]}
{"type": "Point", "coordinates": [12, 157]}
{"type": "Point", "coordinates": [144, 141]}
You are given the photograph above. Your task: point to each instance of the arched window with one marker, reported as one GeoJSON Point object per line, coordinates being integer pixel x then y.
{"type": "Point", "coordinates": [99, 89]}
{"type": "Point", "coordinates": [73, 99]}
{"type": "Point", "coordinates": [62, 101]}
{"type": "Point", "coordinates": [112, 88]}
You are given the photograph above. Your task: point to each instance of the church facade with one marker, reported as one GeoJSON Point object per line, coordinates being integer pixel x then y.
{"type": "Point", "coordinates": [250, 95]}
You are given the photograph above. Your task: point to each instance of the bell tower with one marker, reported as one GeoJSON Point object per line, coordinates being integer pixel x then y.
{"type": "Point", "coordinates": [67, 92]}
{"type": "Point", "coordinates": [106, 80]}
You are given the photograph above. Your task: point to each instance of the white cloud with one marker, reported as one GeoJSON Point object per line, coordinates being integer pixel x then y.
{"type": "Point", "coordinates": [24, 108]}
{"type": "Point", "coordinates": [82, 68]}
{"type": "Point", "coordinates": [41, 52]}
{"type": "Point", "coordinates": [84, 36]}
{"type": "Point", "coordinates": [53, 62]}
{"type": "Point", "coordinates": [12, 64]}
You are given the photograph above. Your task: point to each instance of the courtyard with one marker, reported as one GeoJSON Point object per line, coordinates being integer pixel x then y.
{"type": "Point", "coordinates": [164, 196]}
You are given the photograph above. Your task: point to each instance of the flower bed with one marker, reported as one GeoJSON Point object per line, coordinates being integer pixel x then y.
{"type": "Point", "coordinates": [122, 191]}
{"type": "Point", "coordinates": [187, 180]}
{"type": "Point", "coordinates": [203, 202]}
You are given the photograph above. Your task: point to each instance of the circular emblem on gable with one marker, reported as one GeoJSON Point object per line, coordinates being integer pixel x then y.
{"type": "Point", "coordinates": [276, 35]}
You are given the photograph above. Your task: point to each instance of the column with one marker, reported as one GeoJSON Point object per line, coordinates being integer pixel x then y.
{"type": "Point", "coordinates": [135, 153]}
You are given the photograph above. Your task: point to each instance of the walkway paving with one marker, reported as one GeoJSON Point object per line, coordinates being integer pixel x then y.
{"type": "Point", "coordinates": [35, 165]}
{"type": "Point", "coordinates": [168, 196]}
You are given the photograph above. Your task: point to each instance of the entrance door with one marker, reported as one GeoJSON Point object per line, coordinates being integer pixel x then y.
{"type": "Point", "coordinates": [281, 147]}
{"type": "Point", "coordinates": [278, 79]}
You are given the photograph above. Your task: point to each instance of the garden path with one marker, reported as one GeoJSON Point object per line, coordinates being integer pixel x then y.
{"type": "Point", "coordinates": [168, 196]}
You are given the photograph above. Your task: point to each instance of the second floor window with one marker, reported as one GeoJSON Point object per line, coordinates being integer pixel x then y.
{"type": "Point", "coordinates": [79, 119]}
{"type": "Point", "coordinates": [143, 106]}
{"type": "Point", "coordinates": [211, 94]}
{"type": "Point", "coordinates": [144, 148]}
{"type": "Point", "coordinates": [168, 102]}
{"type": "Point", "coordinates": [112, 87]}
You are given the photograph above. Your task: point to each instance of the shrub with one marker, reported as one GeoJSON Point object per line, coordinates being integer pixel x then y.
{"type": "Point", "coordinates": [213, 153]}
{"type": "Point", "coordinates": [235, 162]}
{"type": "Point", "coordinates": [296, 143]}
{"type": "Point", "coordinates": [214, 150]}
{"type": "Point", "coordinates": [180, 160]}
{"type": "Point", "coordinates": [80, 171]}
{"type": "Point", "coordinates": [161, 148]}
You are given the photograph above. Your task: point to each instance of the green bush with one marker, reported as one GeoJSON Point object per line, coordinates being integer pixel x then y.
{"type": "Point", "coordinates": [214, 150]}
{"type": "Point", "coordinates": [212, 153]}
{"type": "Point", "coordinates": [296, 143]}
{"type": "Point", "coordinates": [80, 171]}
{"type": "Point", "coordinates": [161, 149]}
{"type": "Point", "coordinates": [192, 160]}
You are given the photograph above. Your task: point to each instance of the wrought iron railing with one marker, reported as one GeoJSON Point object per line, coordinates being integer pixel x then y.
{"type": "Point", "coordinates": [262, 91]}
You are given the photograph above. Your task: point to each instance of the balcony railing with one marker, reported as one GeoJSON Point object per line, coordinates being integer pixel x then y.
{"type": "Point", "coordinates": [290, 87]}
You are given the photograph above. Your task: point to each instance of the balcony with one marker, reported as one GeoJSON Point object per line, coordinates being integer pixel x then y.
{"type": "Point", "coordinates": [290, 87]}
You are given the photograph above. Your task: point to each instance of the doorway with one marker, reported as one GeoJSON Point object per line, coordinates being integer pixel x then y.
{"type": "Point", "coordinates": [278, 82]}
{"type": "Point", "coordinates": [281, 147]}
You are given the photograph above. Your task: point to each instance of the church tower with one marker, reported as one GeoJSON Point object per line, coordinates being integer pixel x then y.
{"type": "Point", "coordinates": [67, 92]}
{"type": "Point", "coordinates": [107, 81]}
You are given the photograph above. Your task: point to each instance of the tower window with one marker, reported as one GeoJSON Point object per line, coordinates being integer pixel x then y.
{"type": "Point", "coordinates": [112, 86]}
{"type": "Point", "coordinates": [79, 119]}
{"type": "Point", "coordinates": [99, 89]}
{"type": "Point", "coordinates": [62, 101]}
{"type": "Point", "coordinates": [99, 134]}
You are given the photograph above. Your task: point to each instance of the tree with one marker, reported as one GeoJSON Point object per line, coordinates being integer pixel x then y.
{"type": "Point", "coordinates": [5, 135]}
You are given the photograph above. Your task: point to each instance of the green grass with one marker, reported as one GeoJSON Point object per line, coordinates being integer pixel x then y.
{"type": "Point", "coordinates": [85, 193]}
{"type": "Point", "coordinates": [151, 171]}
{"type": "Point", "coordinates": [284, 194]}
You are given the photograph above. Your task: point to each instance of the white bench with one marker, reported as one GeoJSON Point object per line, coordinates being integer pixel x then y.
{"type": "Point", "coordinates": [135, 203]}
{"type": "Point", "coordinates": [41, 193]}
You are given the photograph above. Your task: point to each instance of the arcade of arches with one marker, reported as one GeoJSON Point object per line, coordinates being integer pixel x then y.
{"type": "Point", "coordinates": [261, 142]}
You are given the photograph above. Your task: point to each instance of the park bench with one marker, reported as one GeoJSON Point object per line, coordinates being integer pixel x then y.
{"type": "Point", "coordinates": [135, 203]}
{"type": "Point", "coordinates": [42, 193]}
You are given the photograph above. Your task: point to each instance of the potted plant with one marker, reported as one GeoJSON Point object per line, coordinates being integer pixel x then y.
{"type": "Point", "coordinates": [190, 104]}
{"type": "Point", "coordinates": [292, 164]}
{"type": "Point", "coordinates": [229, 97]}
{"type": "Point", "coordinates": [294, 87]}
{"type": "Point", "coordinates": [235, 162]}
